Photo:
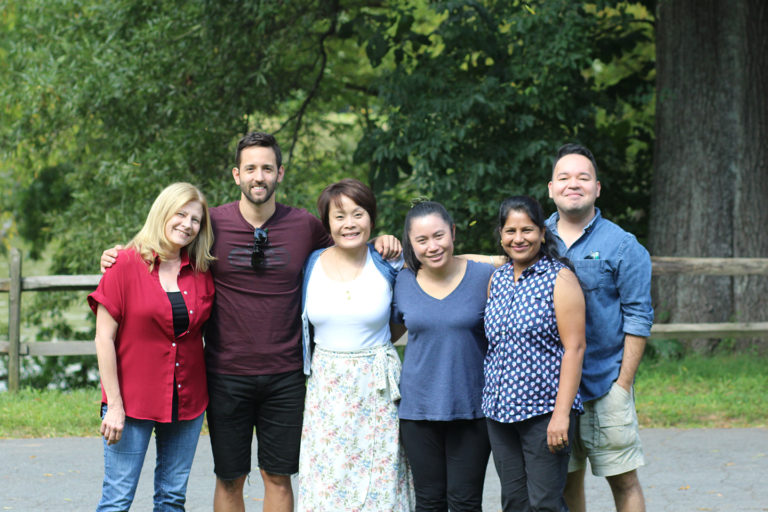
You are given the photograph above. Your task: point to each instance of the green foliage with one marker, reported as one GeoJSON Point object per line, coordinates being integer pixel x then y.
{"type": "Point", "coordinates": [664, 349]}
{"type": "Point", "coordinates": [477, 113]}
{"type": "Point", "coordinates": [132, 95]}
{"type": "Point", "coordinates": [463, 101]}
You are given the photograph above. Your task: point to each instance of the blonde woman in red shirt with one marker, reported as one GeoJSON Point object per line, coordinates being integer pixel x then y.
{"type": "Point", "coordinates": [150, 309]}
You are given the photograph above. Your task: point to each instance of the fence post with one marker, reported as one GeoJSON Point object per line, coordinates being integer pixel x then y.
{"type": "Point", "coordinates": [14, 321]}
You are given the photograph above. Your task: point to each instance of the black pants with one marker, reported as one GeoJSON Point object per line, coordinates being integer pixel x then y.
{"type": "Point", "coordinates": [448, 460]}
{"type": "Point", "coordinates": [531, 477]}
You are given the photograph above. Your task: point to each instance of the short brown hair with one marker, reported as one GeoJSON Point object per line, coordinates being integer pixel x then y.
{"type": "Point", "coordinates": [356, 190]}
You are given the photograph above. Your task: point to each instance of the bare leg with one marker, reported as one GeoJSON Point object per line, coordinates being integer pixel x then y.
{"type": "Point", "coordinates": [627, 492]}
{"type": "Point", "coordinates": [574, 491]}
{"type": "Point", "coordinates": [278, 494]}
{"type": "Point", "coordinates": [228, 496]}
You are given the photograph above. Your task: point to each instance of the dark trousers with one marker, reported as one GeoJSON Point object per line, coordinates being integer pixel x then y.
{"type": "Point", "coordinates": [532, 478]}
{"type": "Point", "coordinates": [448, 460]}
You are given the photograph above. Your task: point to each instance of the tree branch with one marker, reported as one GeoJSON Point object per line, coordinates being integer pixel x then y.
{"type": "Point", "coordinates": [298, 116]}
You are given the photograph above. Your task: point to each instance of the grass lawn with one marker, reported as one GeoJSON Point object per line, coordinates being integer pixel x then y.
{"type": "Point", "coordinates": [693, 392]}
{"type": "Point", "coordinates": [721, 391]}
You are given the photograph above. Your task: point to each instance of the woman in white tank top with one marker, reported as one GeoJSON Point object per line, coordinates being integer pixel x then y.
{"type": "Point", "coordinates": [351, 457]}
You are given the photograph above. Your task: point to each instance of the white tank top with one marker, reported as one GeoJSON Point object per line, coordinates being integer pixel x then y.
{"type": "Point", "coordinates": [349, 315]}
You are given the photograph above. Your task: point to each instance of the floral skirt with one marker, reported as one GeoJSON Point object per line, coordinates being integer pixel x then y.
{"type": "Point", "coordinates": [351, 457]}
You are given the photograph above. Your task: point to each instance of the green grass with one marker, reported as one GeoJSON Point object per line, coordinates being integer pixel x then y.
{"type": "Point", "coordinates": [50, 413]}
{"type": "Point", "coordinates": [722, 391]}
{"type": "Point", "coordinates": [693, 392]}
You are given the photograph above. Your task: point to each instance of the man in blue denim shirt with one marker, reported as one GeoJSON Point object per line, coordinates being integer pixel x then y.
{"type": "Point", "coordinates": [615, 274]}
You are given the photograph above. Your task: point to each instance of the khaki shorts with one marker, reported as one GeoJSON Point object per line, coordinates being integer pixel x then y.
{"type": "Point", "coordinates": [608, 435]}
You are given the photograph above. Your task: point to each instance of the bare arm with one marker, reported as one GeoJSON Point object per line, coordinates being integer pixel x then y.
{"type": "Point", "coordinates": [114, 420]}
{"type": "Point", "coordinates": [494, 259]}
{"type": "Point", "coordinates": [571, 324]}
{"type": "Point", "coordinates": [634, 346]}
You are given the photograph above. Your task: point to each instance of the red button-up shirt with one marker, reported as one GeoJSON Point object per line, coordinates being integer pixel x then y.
{"type": "Point", "coordinates": [149, 356]}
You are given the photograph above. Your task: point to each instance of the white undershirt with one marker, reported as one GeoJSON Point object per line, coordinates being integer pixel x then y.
{"type": "Point", "coordinates": [349, 315]}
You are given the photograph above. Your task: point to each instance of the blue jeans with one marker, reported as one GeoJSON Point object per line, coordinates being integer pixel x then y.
{"type": "Point", "coordinates": [176, 443]}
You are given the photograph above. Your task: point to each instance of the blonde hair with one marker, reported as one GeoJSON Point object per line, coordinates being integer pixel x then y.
{"type": "Point", "coordinates": [151, 239]}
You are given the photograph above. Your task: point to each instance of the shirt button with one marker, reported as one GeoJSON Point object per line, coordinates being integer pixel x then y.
{"type": "Point", "coordinates": [185, 292]}
{"type": "Point", "coordinates": [177, 364]}
{"type": "Point", "coordinates": [173, 344]}
{"type": "Point", "coordinates": [191, 312]}
{"type": "Point", "coordinates": [179, 386]}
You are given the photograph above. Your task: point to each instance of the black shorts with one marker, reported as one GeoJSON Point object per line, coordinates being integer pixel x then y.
{"type": "Point", "coordinates": [273, 404]}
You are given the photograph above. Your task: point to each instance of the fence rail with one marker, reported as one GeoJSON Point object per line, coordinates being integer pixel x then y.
{"type": "Point", "coordinates": [17, 284]}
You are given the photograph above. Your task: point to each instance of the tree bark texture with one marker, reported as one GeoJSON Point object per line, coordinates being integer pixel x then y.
{"type": "Point", "coordinates": [710, 184]}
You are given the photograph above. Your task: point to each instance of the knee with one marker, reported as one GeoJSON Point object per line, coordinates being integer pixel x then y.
{"type": "Point", "coordinates": [625, 483]}
{"type": "Point", "coordinates": [232, 486]}
{"type": "Point", "coordinates": [277, 482]}
{"type": "Point", "coordinates": [465, 496]}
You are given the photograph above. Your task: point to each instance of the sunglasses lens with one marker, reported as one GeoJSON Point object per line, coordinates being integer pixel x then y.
{"type": "Point", "coordinates": [257, 260]}
{"type": "Point", "coordinates": [260, 236]}
{"type": "Point", "coordinates": [259, 244]}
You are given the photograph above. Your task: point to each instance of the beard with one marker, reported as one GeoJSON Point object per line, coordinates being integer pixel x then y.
{"type": "Point", "coordinates": [269, 192]}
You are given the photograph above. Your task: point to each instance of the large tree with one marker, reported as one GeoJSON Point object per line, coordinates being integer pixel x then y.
{"type": "Point", "coordinates": [711, 156]}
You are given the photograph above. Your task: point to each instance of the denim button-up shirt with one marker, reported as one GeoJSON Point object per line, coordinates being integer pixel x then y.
{"type": "Point", "coordinates": [615, 274]}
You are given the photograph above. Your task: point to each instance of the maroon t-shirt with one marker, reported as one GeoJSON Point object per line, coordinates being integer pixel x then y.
{"type": "Point", "coordinates": [255, 326]}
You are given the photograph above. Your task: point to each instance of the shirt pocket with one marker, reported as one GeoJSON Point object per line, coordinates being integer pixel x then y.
{"type": "Point", "coordinates": [592, 274]}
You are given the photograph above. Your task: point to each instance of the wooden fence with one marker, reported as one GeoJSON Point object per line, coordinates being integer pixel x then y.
{"type": "Point", "coordinates": [661, 266]}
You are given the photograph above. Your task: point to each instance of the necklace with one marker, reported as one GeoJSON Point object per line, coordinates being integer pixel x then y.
{"type": "Point", "coordinates": [346, 284]}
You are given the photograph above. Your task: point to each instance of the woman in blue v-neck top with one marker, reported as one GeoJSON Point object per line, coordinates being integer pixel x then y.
{"type": "Point", "coordinates": [441, 300]}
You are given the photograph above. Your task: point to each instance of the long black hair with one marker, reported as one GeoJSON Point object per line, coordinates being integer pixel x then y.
{"type": "Point", "coordinates": [421, 209]}
{"type": "Point", "coordinates": [532, 208]}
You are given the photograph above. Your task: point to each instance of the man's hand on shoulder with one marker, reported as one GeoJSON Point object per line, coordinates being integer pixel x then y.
{"type": "Point", "coordinates": [388, 246]}
{"type": "Point", "coordinates": [109, 257]}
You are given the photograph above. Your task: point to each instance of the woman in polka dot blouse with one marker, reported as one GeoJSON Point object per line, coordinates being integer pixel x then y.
{"type": "Point", "coordinates": [534, 322]}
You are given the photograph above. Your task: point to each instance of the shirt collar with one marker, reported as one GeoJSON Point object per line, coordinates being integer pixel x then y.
{"type": "Point", "coordinates": [556, 217]}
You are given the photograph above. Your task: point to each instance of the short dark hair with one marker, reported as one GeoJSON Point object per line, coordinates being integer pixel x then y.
{"type": "Point", "coordinates": [356, 190]}
{"type": "Point", "coordinates": [574, 149]}
{"type": "Point", "coordinates": [421, 209]}
{"type": "Point", "coordinates": [533, 209]}
{"type": "Point", "coordinates": [260, 139]}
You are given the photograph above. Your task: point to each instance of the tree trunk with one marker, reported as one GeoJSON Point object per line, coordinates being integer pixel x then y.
{"type": "Point", "coordinates": [710, 183]}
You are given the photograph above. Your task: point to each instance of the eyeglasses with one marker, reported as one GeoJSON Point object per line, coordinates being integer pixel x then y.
{"type": "Point", "coordinates": [260, 243]}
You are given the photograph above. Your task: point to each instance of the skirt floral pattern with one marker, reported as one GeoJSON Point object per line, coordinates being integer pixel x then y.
{"type": "Point", "coordinates": [351, 457]}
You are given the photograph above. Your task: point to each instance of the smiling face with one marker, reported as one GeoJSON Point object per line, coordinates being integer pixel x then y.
{"type": "Point", "coordinates": [521, 239]}
{"type": "Point", "coordinates": [258, 174]}
{"type": "Point", "coordinates": [431, 238]}
{"type": "Point", "coordinates": [350, 223]}
{"type": "Point", "coordinates": [184, 225]}
{"type": "Point", "coordinates": [574, 187]}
